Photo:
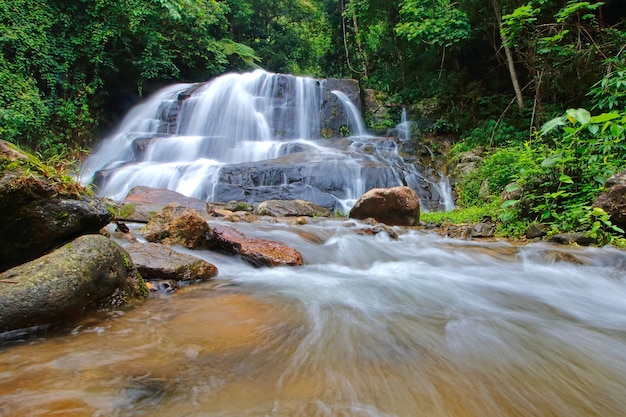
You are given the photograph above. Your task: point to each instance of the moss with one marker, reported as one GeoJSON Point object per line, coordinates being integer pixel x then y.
{"type": "Point", "coordinates": [126, 210]}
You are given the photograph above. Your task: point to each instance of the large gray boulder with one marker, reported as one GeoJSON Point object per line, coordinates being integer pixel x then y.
{"type": "Point", "coordinates": [613, 199]}
{"type": "Point", "coordinates": [41, 210]}
{"type": "Point", "coordinates": [89, 272]}
{"type": "Point", "coordinates": [396, 206]}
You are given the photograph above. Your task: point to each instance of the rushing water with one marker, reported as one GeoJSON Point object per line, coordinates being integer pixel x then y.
{"type": "Point", "coordinates": [253, 137]}
{"type": "Point", "coordinates": [421, 326]}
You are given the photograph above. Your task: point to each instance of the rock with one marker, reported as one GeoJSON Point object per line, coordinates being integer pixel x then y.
{"type": "Point", "coordinates": [291, 208]}
{"type": "Point", "coordinates": [158, 262]}
{"type": "Point", "coordinates": [376, 229]}
{"type": "Point", "coordinates": [142, 203]}
{"type": "Point", "coordinates": [375, 107]}
{"type": "Point", "coordinates": [571, 238]}
{"type": "Point", "coordinates": [235, 205]}
{"type": "Point", "coordinates": [467, 162]}
{"type": "Point", "coordinates": [40, 212]}
{"type": "Point", "coordinates": [392, 206]}
{"type": "Point", "coordinates": [536, 230]}
{"type": "Point", "coordinates": [333, 112]}
{"type": "Point", "coordinates": [613, 199]}
{"type": "Point", "coordinates": [258, 252]}
{"type": "Point", "coordinates": [89, 272]}
{"type": "Point", "coordinates": [177, 225]}
{"type": "Point", "coordinates": [483, 229]}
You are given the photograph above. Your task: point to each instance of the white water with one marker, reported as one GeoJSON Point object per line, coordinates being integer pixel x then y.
{"type": "Point", "coordinates": [247, 137]}
{"type": "Point", "coordinates": [357, 124]}
{"type": "Point", "coordinates": [422, 326]}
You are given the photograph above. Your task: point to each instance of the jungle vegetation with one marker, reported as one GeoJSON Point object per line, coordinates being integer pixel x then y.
{"type": "Point", "coordinates": [537, 86]}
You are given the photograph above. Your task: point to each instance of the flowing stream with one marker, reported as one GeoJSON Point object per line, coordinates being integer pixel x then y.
{"type": "Point", "coordinates": [369, 326]}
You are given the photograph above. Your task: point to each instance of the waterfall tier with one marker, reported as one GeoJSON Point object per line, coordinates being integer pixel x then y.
{"type": "Point", "coordinates": [252, 137]}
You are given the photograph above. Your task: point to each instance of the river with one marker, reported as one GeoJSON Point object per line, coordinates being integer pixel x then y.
{"type": "Point", "coordinates": [369, 326]}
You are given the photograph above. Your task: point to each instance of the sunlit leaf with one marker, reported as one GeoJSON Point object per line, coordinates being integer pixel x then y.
{"type": "Point", "coordinates": [509, 203]}
{"type": "Point", "coordinates": [566, 179]}
{"type": "Point", "coordinates": [551, 124]}
{"type": "Point", "coordinates": [511, 187]}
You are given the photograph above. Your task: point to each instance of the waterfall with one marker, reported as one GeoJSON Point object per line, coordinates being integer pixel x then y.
{"type": "Point", "coordinates": [251, 137]}
{"type": "Point", "coordinates": [356, 121]}
{"type": "Point", "coordinates": [404, 128]}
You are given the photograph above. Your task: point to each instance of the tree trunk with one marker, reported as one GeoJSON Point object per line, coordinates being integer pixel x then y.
{"type": "Point", "coordinates": [509, 57]}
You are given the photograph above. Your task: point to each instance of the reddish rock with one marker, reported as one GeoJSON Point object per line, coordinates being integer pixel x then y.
{"type": "Point", "coordinates": [393, 206]}
{"type": "Point", "coordinates": [258, 252]}
{"type": "Point", "coordinates": [613, 199]}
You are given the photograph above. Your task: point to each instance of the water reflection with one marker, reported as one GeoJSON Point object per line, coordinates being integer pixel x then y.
{"type": "Point", "coordinates": [422, 326]}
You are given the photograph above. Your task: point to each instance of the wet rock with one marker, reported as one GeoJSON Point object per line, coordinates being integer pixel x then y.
{"type": "Point", "coordinates": [392, 206]}
{"type": "Point", "coordinates": [158, 262]}
{"type": "Point", "coordinates": [177, 225]}
{"type": "Point", "coordinates": [258, 252]}
{"type": "Point", "coordinates": [333, 113]}
{"type": "Point", "coordinates": [571, 239]}
{"type": "Point", "coordinates": [142, 203]}
{"type": "Point", "coordinates": [376, 229]}
{"type": "Point", "coordinates": [238, 206]}
{"type": "Point", "coordinates": [613, 199]}
{"type": "Point", "coordinates": [89, 272]}
{"type": "Point", "coordinates": [291, 208]}
{"type": "Point", "coordinates": [39, 212]}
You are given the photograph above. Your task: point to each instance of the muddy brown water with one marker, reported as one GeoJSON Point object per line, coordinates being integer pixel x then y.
{"type": "Point", "coordinates": [422, 326]}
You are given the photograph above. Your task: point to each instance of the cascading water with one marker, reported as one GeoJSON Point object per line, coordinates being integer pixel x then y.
{"type": "Point", "coordinates": [368, 327]}
{"type": "Point", "coordinates": [354, 116]}
{"type": "Point", "coordinates": [251, 137]}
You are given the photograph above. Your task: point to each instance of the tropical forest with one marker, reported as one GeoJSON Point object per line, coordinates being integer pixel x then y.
{"type": "Point", "coordinates": [313, 208]}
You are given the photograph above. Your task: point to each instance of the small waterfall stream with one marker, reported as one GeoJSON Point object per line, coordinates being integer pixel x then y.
{"type": "Point", "coordinates": [253, 137]}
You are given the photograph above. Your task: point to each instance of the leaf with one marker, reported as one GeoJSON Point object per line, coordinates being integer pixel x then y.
{"type": "Point", "coordinates": [548, 162]}
{"type": "Point", "coordinates": [604, 117]}
{"type": "Point", "coordinates": [616, 130]}
{"type": "Point", "coordinates": [511, 187]}
{"type": "Point", "coordinates": [593, 129]}
{"type": "Point", "coordinates": [551, 124]}
{"type": "Point", "coordinates": [580, 115]}
{"type": "Point", "coordinates": [566, 179]}
{"type": "Point", "coordinates": [509, 203]}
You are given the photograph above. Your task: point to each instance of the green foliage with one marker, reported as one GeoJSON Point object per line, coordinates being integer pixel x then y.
{"type": "Point", "coordinates": [433, 22]}
{"type": "Point", "coordinates": [461, 215]}
{"type": "Point", "coordinates": [571, 158]}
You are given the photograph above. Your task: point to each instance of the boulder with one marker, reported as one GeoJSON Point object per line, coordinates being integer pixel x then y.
{"type": "Point", "coordinates": [397, 206]}
{"type": "Point", "coordinates": [571, 239]}
{"type": "Point", "coordinates": [158, 262]}
{"type": "Point", "coordinates": [291, 208]}
{"type": "Point", "coordinates": [142, 203]}
{"type": "Point", "coordinates": [40, 210]}
{"type": "Point", "coordinates": [177, 225]}
{"type": "Point", "coordinates": [613, 199]}
{"type": "Point", "coordinates": [89, 272]}
{"type": "Point", "coordinates": [258, 252]}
